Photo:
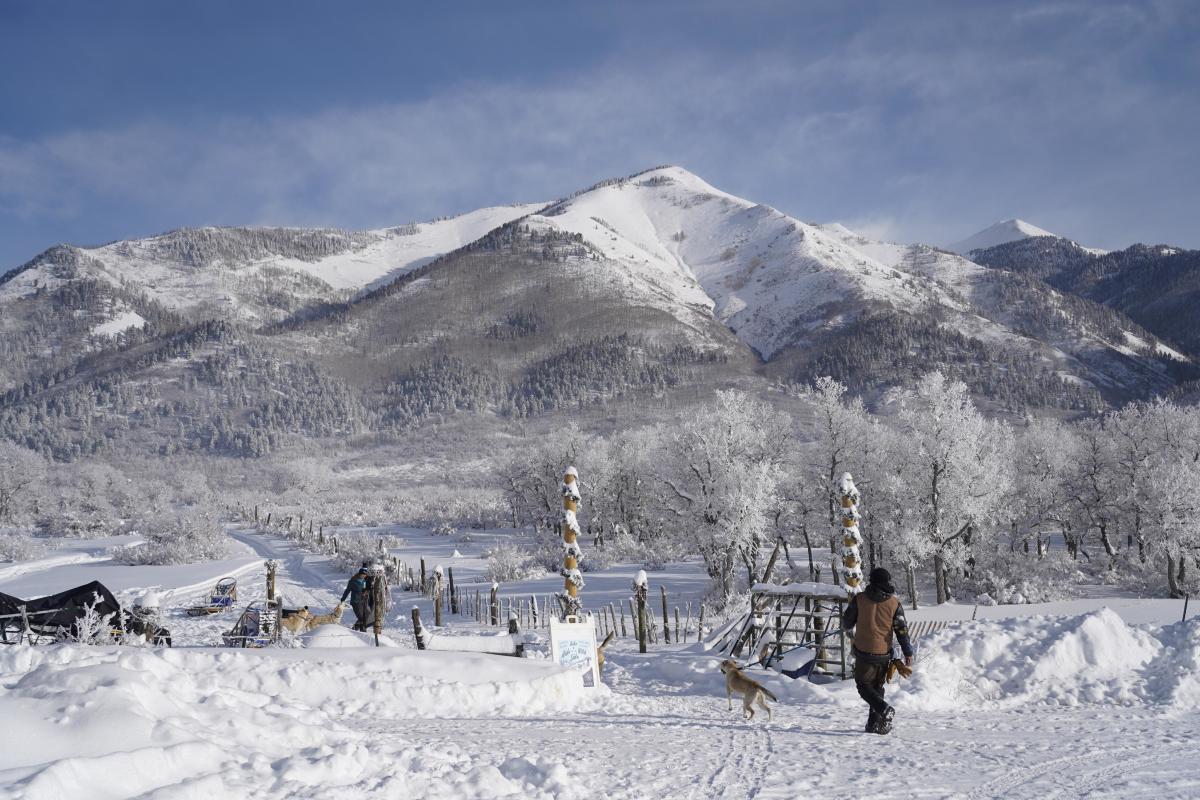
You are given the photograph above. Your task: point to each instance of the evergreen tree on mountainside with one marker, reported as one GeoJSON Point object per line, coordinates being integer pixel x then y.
{"type": "Point", "coordinates": [1156, 286]}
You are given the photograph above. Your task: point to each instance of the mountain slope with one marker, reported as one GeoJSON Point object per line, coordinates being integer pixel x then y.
{"type": "Point", "coordinates": [624, 303]}
{"type": "Point", "coordinates": [1158, 286]}
{"type": "Point", "coordinates": [255, 275]}
{"type": "Point", "coordinates": [1006, 230]}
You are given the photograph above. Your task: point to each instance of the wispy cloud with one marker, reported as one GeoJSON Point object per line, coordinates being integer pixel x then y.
{"type": "Point", "coordinates": [921, 126]}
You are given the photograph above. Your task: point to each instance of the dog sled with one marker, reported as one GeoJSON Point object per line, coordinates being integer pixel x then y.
{"type": "Point", "coordinates": [222, 598]}
{"type": "Point", "coordinates": [257, 626]}
{"type": "Point", "coordinates": [67, 615]}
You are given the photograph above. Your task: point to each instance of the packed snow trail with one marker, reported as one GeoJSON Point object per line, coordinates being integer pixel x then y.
{"type": "Point", "coordinates": [666, 732]}
{"type": "Point", "coordinates": [302, 579]}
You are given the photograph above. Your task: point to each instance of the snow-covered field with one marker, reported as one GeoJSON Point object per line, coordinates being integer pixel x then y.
{"type": "Point", "coordinates": [1093, 701]}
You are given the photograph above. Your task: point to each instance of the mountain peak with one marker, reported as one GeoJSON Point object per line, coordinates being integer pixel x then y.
{"type": "Point", "coordinates": [1006, 230]}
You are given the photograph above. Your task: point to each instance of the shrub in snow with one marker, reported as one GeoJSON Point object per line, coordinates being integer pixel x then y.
{"type": "Point", "coordinates": [18, 544]}
{"type": "Point", "coordinates": [355, 548]}
{"type": "Point", "coordinates": [443, 529]}
{"type": "Point", "coordinates": [507, 563]}
{"type": "Point", "coordinates": [181, 538]}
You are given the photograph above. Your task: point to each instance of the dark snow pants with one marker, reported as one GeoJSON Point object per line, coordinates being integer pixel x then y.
{"type": "Point", "coordinates": [362, 614]}
{"type": "Point", "coordinates": [869, 678]}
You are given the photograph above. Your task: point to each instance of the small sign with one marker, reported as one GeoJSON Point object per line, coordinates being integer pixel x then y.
{"type": "Point", "coordinates": [573, 644]}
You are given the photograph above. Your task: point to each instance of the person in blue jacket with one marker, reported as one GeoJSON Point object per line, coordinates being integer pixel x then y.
{"type": "Point", "coordinates": [358, 589]}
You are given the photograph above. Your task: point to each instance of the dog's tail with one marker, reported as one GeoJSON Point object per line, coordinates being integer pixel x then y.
{"type": "Point", "coordinates": [607, 639]}
{"type": "Point", "coordinates": [767, 692]}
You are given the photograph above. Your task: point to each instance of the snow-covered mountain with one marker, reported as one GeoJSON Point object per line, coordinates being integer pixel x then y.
{"type": "Point", "coordinates": [769, 277]}
{"type": "Point", "coordinates": [635, 291]}
{"type": "Point", "coordinates": [252, 274]}
{"type": "Point", "coordinates": [1008, 230]}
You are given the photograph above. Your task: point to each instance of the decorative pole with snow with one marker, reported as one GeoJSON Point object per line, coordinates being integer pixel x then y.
{"type": "Point", "coordinates": [572, 577]}
{"type": "Point", "coordinates": [852, 573]}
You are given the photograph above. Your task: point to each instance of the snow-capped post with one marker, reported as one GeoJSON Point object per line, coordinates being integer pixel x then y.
{"type": "Point", "coordinates": [271, 567]}
{"type": "Point", "coordinates": [454, 608]}
{"type": "Point", "coordinates": [494, 604]}
{"type": "Point", "coordinates": [641, 588]}
{"type": "Point", "coordinates": [572, 555]}
{"type": "Point", "coordinates": [852, 573]}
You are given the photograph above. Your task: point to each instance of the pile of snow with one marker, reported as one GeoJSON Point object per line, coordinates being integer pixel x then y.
{"type": "Point", "coordinates": [1092, 659]}
{"type": "Point", "coordinates": [111, 722]}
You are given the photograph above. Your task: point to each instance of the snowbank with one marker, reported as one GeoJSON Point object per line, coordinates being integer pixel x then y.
{"type": "Point", "coordinates": [1091, 659]}
{"type": "Point", "coordinates": [109, 722]}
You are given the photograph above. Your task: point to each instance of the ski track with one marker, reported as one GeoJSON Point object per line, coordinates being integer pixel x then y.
{"type": "Point", "coordinates": [656, 739]}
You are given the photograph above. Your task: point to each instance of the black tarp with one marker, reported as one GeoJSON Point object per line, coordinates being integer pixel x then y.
{"type": "Point", "coordinates": [60, 612]}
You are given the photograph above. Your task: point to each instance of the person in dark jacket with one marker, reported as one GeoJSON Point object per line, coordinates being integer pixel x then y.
{"type": "Point", "coordinates": [876, 615]}
{"type": "Point", "coordinates": [358, 589]}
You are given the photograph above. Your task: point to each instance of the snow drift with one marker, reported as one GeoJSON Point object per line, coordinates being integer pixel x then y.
{"type": "Point", "coordinates": [109, 722]}
{"type": "Point", "coordinates": [1091, 659]}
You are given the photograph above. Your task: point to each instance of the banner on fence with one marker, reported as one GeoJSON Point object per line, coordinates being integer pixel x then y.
{"type": "Point", "coordinates": [573, 644]}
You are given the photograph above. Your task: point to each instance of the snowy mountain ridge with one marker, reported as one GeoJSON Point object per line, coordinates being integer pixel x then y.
{"type": "Point", "coordinates": [256, 274]}
{"type": "Point", "coordinates": [1009, 230]}
{"type": "Point", "coordinates": [660, 242]}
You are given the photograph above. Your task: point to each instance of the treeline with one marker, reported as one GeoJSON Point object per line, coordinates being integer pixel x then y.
{"type": "Point", "coordinates": [886, 349]}
{"type": "Point", "coordinates": [592, 371]}
{"type": "Point", "coordinates": [983, 510]}
{"type": "Point", "coordinates": [1156, 286]}
{"type": "Point", "coordinates": [203, 247]}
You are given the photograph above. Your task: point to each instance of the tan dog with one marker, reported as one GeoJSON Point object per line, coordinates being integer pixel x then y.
{"type": "Point", "coordinates": [297, 621]}
{"type": "Point", "coordinates": [333, 618]}
{"type": "Point", "coordinates": [736, 682]}
{"type": "Point", "coordinates": [600, 652]}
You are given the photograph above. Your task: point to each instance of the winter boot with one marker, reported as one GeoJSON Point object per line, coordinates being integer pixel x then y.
{"type": "Point", "coordinates": [872, 721]}
{"type": "Point", "coordinates": [885, 722]}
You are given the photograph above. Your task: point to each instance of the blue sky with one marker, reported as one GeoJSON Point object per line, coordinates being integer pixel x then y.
{"type": "Point", "coordinates": [914, 120]}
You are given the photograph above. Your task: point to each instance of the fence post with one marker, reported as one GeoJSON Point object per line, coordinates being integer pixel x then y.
{"type": "Point", "coordinates": [677, 625]}
{"type": "Point", "coordinates": [666, 617]}
{"type": "Point", "coordinates": [423, 589]}
{"type": "Point", "coordinates": [271, 565]}
{"type": "Point", "coordinates": [417, 630]}
{"type": "Point", "coordinates": [437, 596]}
{"type": "Point", "coordinates": [700, 625]}
{"type": "Point", "coordinates": [494, 605]}
{"type": "Point", "coordinates": [453, 596]}
{"type": "Point", "coordinates": [640, 590]}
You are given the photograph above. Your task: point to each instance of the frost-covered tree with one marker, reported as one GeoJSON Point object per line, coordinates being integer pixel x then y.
{"type": "Point", "coordinates": [21, 473]}
{"type": "Point", "coordinates": [957, 465]}
{"type": "Point", "coordinates": [722, 470]}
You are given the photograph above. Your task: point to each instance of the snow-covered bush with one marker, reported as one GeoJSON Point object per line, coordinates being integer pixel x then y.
{"type": "Point", "coordinates": [181, 538]}
{"type": "Point", "coordinates": [443, 529]}
{"type": "Point", "coordinates": [353, 549]}
{"type": "Point", "coordinates": [91, 627]}
{"type": "Point", "coordinates": [18, 544]}
{"type": "Point", "coordinates": [507, 563]}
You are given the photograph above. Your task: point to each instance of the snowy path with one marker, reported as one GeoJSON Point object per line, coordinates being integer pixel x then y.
{"type": "Point", "coordinates": [303, 579]}
{"type": "Point", "coordinates": [666, 732]}
{"type": "Point", "coordinates": [652, 743]}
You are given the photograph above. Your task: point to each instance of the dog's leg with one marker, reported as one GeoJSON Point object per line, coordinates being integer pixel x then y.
{"type": "Point", "coordinates": [729, 696]}
{"type": "Point", "coordinates": [762, 701]}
